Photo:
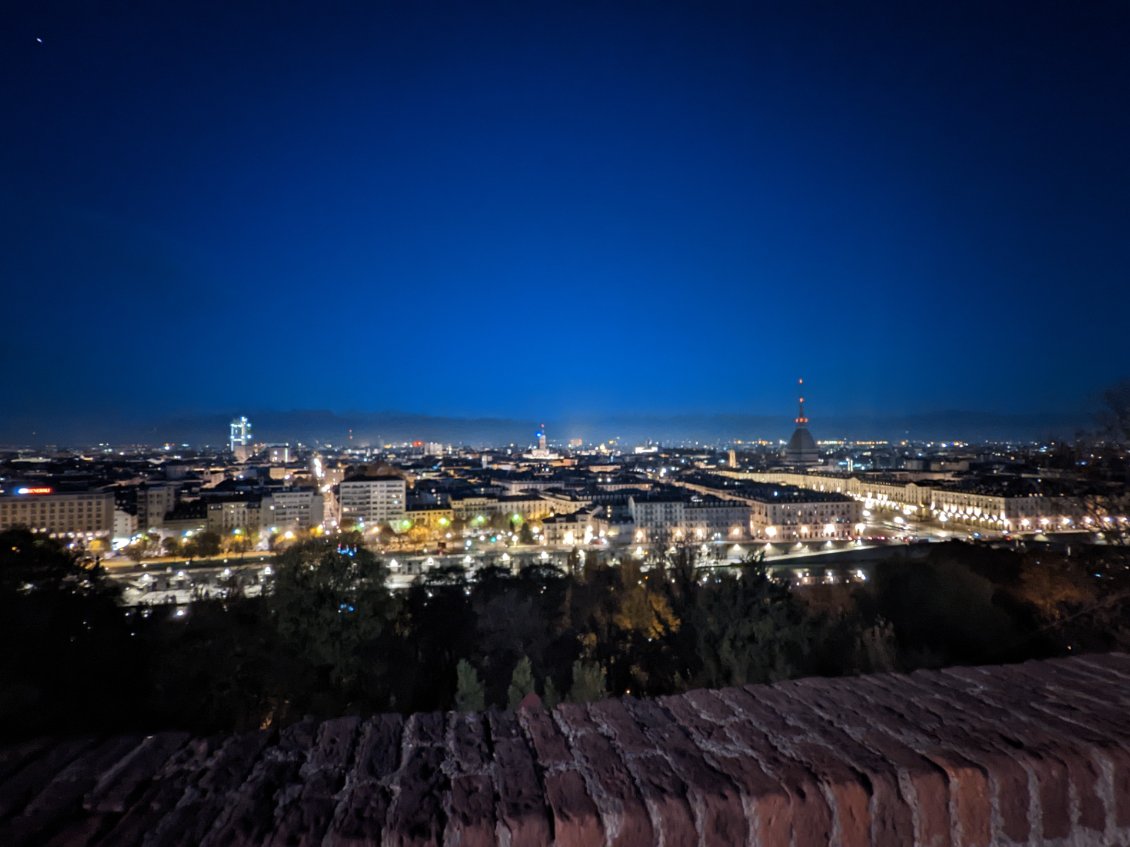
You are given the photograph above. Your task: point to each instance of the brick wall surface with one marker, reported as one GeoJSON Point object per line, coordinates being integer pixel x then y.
{"type": "Point", "coordinates": [1037, 753]}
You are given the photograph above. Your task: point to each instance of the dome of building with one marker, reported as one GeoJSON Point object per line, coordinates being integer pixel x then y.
{"type": "Point", "coordinates": [802, 449]}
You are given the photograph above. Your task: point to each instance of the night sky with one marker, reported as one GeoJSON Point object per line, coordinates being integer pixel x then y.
{"type": "Point", "coordinates": [545, 209]}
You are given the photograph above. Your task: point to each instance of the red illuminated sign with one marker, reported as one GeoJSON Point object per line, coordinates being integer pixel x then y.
{"type": "Point", "coordinates": [40, 490]}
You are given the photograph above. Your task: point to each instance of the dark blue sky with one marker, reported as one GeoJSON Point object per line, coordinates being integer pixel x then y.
{"type": "Point", "coordinates": [555, 208]}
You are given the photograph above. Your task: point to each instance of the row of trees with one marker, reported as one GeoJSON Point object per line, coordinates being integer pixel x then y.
{"type": "Point", "coordinates": [199, 545]}
{"type": "Point", "coordinates": [209, 543]}
{"type": "Point", "coordinates": [330, 638]}
{"type": "Point", "coordinates": [589, 684]}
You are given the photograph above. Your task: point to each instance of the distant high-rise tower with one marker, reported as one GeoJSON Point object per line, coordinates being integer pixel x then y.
{"type": "Point", "coordinates": [802, 449]}
{"type": "Point", "coordinates": [241, 438]}
{"type": "Point", "coordinates": [541, 438]}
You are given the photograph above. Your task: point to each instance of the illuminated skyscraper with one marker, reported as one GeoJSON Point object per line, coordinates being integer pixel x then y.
{"type": "Point", "coordinates": [241, 438]}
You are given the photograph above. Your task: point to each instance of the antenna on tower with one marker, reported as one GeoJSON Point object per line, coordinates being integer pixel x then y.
{"type": "Point", "coordinates": [801, 420]}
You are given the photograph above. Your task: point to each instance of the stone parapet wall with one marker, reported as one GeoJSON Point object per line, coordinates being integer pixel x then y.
{"type": "Point", "coordinates": [1037, 753]}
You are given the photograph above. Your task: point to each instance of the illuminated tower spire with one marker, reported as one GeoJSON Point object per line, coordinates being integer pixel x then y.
{"type": "Point", "coordinates": [802, 449]}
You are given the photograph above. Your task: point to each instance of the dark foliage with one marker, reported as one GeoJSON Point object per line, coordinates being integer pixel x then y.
{"type": "Point", "coordinates": [331, 639]}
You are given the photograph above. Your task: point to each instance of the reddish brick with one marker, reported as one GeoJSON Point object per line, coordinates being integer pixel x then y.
{"type": "Point", "coordinates": [902, 713]}
{"type": "Point", "coordinates": [969, 792]}
{"type": "Point", "coordinates": [765, 797]}
{"type": "Point", "coordinates": [576, 822]}
{"type": "Point", "coordinates": [303, 816]}
{"type": "Point", "coordinates": [666, 797]}
{"type": "Point", "coordinates": [209, 790]}
{"type": "Point", "coordinates": [1047, 753]}
{"type": "Point", "coordinates": [332, 752]}
{"type": "Point", "coordinates": [1074, 678]}
{"type": "Point", "coordinates": [1098, 743]}
{"type": "Point", "coordinates": [662, 789]}
{"type": "Point", "coordinates": [470, 803]}
{"type": "Point", "coordinates": [521, 800]}
{"type": "Point", "coordinates": [624, 816]}
{"type": "Point", "coordinates": [890, 814]}
{"type": "Point", "coordinates": [118, 785]}
{"type": "Point", "coordinates": [470, 811]}
{"type": "Point", "coordinates": [713, 708]}
{"type": "Point", "coordinates": [415, 816]}
{"type": "Point", "coordinates": [574, 715]}
{"type": "Point", "coordinates": [61, 799]}
{"type": "Point", "coordinates": [248, 815]}
{"type": "Point", "coordinates": [24, 783]}
{"type": "Point", "coordinates": [925, 810]}
{"type": "Point", "coordinates": [812, 816]}
{"type": "Point", "coordinates": [1084, 777]}
{"type": "Point", "coordinates": [1109, 663]}
{"type": "Point", "coordinates": [1050, 737]}
{"type": "Point", "coordinates": [467, 742]}
{"type": "Point", "coordinates": [425, 728]}
{"type": "Point", "coordinates": [362, 805]}
{"type": "Point", "coordinates": [802, 763]}
{"type": "Point", "coordinates": [550, 745]}
{"type": "Point", "coordinates": [164, 793]}
{"type": "Point", "coordinates": [971, 731]}
{"type": "Point", "coordinates": [1054, 800]}
{"type": "Point", "coordinates": [850, 797]}
{"type": "Point", "coordinates": [617, 723]}
{"type": "Point", "coordinates": [717, 801]}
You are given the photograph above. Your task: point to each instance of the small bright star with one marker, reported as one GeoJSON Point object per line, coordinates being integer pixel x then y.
{"type": "Point", "coordinates": [40, 40]}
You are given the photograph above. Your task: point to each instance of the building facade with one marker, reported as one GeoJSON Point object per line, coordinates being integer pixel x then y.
{"type": "Point", "coordinates": [84, 514]}
{"type": "Point", "coordinates": [294, 508]}
{"type": "Point", "coordinates": [243, 513]}
{"type": "Point", "coordinates": [154, 501]}
{"type": "Point", "coordinates": [373, 500]}
{"type": "Point", "coordinates": [969, 505]}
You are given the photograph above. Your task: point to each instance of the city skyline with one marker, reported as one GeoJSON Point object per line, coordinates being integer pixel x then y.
{"type": "Point", "coordinates": [570, 422]}
{"type": "Point", "coordinates": [563, 212]}
{"type": "Point", "coordinates": [376, 429]}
